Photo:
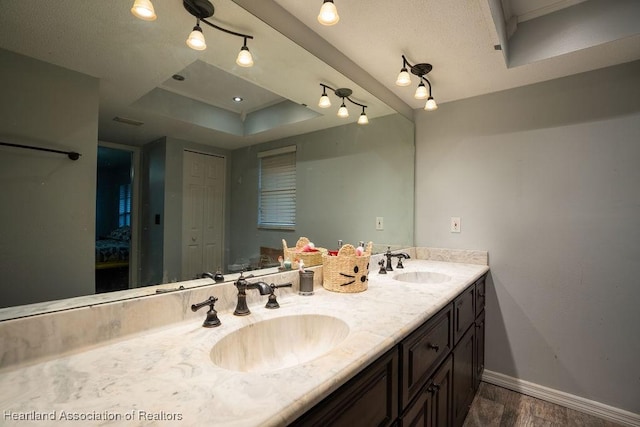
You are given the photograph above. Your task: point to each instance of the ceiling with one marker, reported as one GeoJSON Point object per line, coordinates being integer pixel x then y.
{"type": "Point", "coordinates": [458, 37]}
{"type": "Point", "coordinates": [135, 60]}
{"type": "Point", "coordinates": [475, 46]}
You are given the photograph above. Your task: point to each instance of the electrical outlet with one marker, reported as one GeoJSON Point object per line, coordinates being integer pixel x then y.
{"type": "Point", "coordinates": [455, 224]}
{"type": "Point", "coordinates": [379, 223]}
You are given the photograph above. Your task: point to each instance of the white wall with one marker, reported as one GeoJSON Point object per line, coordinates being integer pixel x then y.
{"type": "Point", "coordinates": [47, 201]}
{"type": "Point", "coordinates": [547, 179]}
{"type": "Point", "coordinates": [346, 177]}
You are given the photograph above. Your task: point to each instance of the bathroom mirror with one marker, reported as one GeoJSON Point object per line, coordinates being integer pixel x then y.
{"type": "Point", "coordinates": [84, 75]}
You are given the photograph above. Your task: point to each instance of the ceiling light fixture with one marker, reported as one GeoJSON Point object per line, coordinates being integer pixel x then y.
{"type": "Point", "coordinates": [143, 9]}
{"type": "Point", "coordinates": [328, 13]}
{"type": "Point", "coordinates": [420, 70]}
{"type": "Point", "coordinates": [343, 93]}
{"type": "Point", "coordinates": [201, 9]}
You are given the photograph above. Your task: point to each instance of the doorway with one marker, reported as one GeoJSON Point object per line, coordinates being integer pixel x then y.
{"type": "Point", "coordinates": [114, 219]}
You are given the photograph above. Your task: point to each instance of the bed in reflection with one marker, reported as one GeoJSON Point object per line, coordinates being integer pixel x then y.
{"type": "Point", "coordinates": [112, 260]}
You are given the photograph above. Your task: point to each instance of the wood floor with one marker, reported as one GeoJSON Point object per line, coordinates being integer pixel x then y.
{"type": "Point", "coordinates": [497, 406]}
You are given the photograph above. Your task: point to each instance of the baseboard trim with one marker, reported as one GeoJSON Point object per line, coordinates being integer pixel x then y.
{"type": "Point", "coordinates": [567, 400]}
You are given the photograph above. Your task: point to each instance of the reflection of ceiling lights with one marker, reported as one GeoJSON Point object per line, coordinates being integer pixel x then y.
{"type": "Point", "coordinates": [420, 70]}
{"type": "Point", "coordinates": [343, 93]}
{"type": "Point", "coordinates": [328, 13]}
{"type": "Point", "coordinates": [201, 9]}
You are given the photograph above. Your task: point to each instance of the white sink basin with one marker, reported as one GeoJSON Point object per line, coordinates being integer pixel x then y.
{"type": "Point", "coordinates": [427, 277]}
{"type": "Point", "coordinates": [279, 343]}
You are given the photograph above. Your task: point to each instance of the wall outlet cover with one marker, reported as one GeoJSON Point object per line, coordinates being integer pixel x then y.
{"type": "Point", "coordinates": [455, 224]}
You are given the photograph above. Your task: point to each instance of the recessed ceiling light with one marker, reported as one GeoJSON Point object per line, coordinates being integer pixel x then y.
{"type": "Point", "coordinates": [178, 77]}
{"type": "Point", "coordinates": [237, 99]}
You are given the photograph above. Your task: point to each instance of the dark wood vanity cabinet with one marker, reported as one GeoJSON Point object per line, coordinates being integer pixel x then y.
{"type": "Point", "coordinates": [429, 379]}
{"type": "Point", "coordinates": [422, 352]}
{"type": "Point", "coordinates": [432, 407]}
{"type": "Point", "coordinates": [368, 399]}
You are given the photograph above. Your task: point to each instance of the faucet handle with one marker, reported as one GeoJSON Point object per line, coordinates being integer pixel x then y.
{"type": "Point", "coordinates": [272, 302]}
{"type": "Point", "coordinates": [211, 321]}
{"type": "Point", "coordinates": [382, 269]}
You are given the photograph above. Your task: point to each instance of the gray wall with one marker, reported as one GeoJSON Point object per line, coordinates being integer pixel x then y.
{"type": "Point", "coordinates": [547, 179]}
{"type": "Point", "coordinates": [346, 177]}
{"type": "Point", "coordinates": [47, 214]}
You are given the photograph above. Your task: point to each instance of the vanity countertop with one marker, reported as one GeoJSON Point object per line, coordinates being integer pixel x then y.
{"type": "Point", "coordinates": [166, 377]}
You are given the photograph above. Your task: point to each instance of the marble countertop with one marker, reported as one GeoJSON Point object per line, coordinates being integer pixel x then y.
{"type": "Point", "coordinates": [166, 377]}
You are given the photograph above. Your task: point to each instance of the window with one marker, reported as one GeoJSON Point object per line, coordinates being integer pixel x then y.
{"type": "Point", "coordinates": [277, 188]}
{"type": "Point", "coordinates": [124, 207]}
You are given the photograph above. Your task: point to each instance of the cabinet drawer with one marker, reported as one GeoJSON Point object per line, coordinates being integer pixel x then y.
{"type": "Point", "coordinates": [480, 294]}
{"type": "Point", "coordinates": [369, 399]}
{"type": "Point", "coordinates": [463, 313]}
{"type": "Point", "coordinates": [422, 351]}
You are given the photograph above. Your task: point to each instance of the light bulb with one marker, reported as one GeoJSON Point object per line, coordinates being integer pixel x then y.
{"type": "Point", "coordinates": [431, 104]}
{"type": "Point", "coordinates": [404, 79]}
{"type": "Point", "coordinates": [196, 39]}
{"type": "Point", "coordinates": [363, 119]}
{"type": "Point", "coordinates": [421, 92]}
{"type": "Point", "coordinates": [143, 9]}
{"type": "Point", "coordinates": [328, 13]}
{"type": "Point", "coordinates": [343, 112]}
{"type": "Point", "coordinates": [244, 57]}
{"type": "Point", "coordinates": [324, 102]}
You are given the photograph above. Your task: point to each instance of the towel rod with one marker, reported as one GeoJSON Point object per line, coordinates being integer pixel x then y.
{"type": "Point", "coordinates": [71, 154]}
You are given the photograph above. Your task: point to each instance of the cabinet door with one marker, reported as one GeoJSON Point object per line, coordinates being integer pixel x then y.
{"type": "Point", "coordinates": [442, 389]}
{"type": "Point", "coordinates": [463, 376]}
{"type": "Point", "coordinates": [479, 352]}
{"type": "Point", "coordinates": [369, 399]}
{"type": "Point", "coordinates": [464, 313]}
{"type": "Point", "coordinates": [432, 407]}
{"type": "Point", "coordinates": [419, 413]}
{"type": "Point", "coordinates": [480, 294]}
{"type": "Point", "coordinates": [422, 352]}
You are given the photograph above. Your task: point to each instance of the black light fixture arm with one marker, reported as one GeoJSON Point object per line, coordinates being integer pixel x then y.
{"type": "Point", "coordinates": [341, 93]}
{"type": "Point", "coordinates": [203, 9]}
{"type": "Point", "coordinates": [224, 30]}
{"type": "Point", "coordinates": [423, 78]}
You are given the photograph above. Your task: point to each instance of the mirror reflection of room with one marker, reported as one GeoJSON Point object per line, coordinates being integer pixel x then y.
{"type": "Point", "coordinates": [114, 197]}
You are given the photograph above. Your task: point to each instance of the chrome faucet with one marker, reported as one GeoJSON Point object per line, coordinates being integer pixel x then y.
{"type": "Point", "coordinates": [399, 255]}
{"type": "Point", "coordinates": [241, 307]}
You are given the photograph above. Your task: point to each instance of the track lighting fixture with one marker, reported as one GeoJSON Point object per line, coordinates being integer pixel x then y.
{"type": "Point", "coordinates": [196, 38]}
{"type": "Point", "coordinates": [201, 9]}
{"type": "Point", "coordinates": [420, 70]}
{"type": "Point", "coordinates": [343, 93]}
{"type": "Point", "coordinates": [328, 13]}
{"type": "Point", "coordinates": [143, 9]}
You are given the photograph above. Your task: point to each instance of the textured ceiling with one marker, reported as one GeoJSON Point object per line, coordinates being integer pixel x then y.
{"type": "Point", "coordinates": [134, 58]}
{"type": "Point", "coordinates": [457, 37]}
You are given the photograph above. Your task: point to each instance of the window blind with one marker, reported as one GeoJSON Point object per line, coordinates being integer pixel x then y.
{"type": "Point", "coordinates": [124, 207]}
{"type": "Point", "coordinates": [277, 190]}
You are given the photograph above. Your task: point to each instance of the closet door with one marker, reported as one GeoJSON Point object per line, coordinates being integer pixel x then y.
{"type": "Point", "coordinates": [202, 213]}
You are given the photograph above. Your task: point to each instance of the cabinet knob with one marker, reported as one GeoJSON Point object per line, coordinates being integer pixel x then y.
{"type": "Point", "coordinates": [433, 388]}
{"type": "Point", "coordinates": [435, 347]}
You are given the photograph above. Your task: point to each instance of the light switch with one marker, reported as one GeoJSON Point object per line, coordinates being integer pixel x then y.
{"type": "Point", "coordinates": [379, 223]}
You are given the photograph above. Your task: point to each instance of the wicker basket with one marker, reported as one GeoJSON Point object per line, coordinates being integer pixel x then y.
{"type": "Point", "coordinates": [346, 272]}
{"type": "Point", "coordinates": [308, 258]}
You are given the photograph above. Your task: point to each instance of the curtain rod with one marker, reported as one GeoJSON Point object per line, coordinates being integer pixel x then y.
{"type": "Point", "coordinates": [71, 154]}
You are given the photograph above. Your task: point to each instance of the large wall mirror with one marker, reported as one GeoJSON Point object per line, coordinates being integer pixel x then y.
{"type": "Point", "coordinates": [156, 127]}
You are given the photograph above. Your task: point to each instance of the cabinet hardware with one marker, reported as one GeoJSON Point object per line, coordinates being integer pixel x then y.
{"type": "Point", "coordinates": [435, 347]}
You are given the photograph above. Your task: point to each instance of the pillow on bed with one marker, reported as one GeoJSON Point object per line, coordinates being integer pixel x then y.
{"type": "Point", "coordinates": [121, 233]}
